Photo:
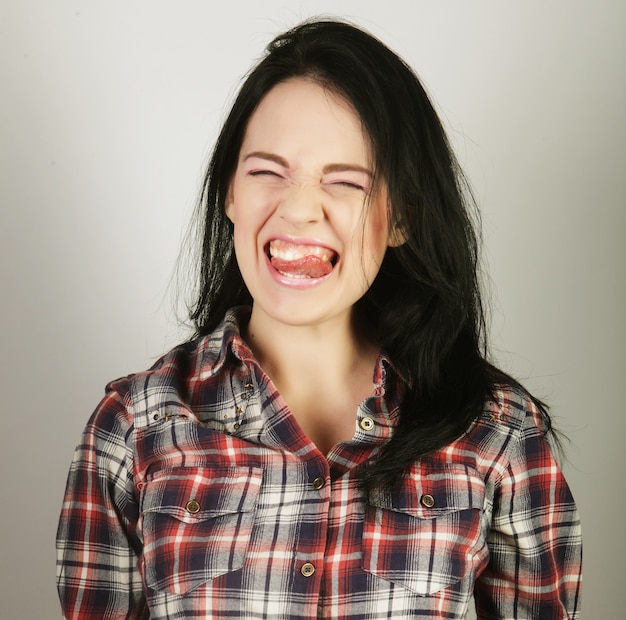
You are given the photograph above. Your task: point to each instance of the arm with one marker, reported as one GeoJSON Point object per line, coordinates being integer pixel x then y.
{"type": "Point", "coordinates": [97, 545]}
{"type": "Point", "coordinates": [535, 539]}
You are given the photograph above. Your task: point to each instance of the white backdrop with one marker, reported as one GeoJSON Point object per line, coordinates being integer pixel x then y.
{"type": "Point", "coordinates": [108, 111]}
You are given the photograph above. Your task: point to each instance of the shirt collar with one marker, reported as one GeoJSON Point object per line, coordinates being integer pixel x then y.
{"type": "Point", "coordinates": [226, 340]}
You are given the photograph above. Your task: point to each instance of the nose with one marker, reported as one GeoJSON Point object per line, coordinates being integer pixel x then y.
{"type": "Point", "coordinates": [302, 204]}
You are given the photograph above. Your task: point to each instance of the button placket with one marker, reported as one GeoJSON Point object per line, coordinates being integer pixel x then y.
{"type": "Point", "coordinates": [318, 483]}
{"type": "Point", "coordinates": [307, 569]}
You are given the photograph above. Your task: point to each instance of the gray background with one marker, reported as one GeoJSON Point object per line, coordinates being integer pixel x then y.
{"type": "Point", "coordinates": [108, 111]}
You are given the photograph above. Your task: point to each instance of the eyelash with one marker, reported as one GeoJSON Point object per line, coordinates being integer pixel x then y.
{"type": "Point", "coordinates": [257, 173]}
{"type": "Point", "coordinates": [350, 185]}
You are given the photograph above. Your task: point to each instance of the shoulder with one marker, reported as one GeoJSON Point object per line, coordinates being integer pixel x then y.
{"type": "Point", "coordinates": [512, 409]}
{"type": "Point", "coordinates": [512, 426]}
{"type": "Point", "coordinates": [173, 381]}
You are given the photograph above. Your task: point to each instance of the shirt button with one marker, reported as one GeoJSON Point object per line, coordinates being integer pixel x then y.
{"type": "Point", "coordinates": [428, 501]}
{"type": "Point", "coordinates": [318, 483]}
{"type": "Point", "coordinates": [367, 424]}
{"type": "Point", "coordinates": [307, 569]}
{"type": "Point", "coordinates": [192, 507]}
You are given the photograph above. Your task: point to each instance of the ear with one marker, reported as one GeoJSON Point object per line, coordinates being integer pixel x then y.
{"type": "Point", "coordinates": [229, 207]}
{"type": "Point", "coordinates": [397, 236]}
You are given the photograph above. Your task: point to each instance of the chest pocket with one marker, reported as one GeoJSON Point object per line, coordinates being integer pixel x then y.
{"type": "Point", "coordinates": [196, 524]}
{"type": "Point", "coordinates": [424, 534]}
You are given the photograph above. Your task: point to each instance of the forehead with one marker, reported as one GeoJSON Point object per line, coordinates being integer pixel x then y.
{"type": "Point", "coordinates": [300, 117]}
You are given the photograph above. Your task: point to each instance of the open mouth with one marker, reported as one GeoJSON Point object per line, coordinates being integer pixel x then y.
{"type": "Point", "coordinates": [295, 260]}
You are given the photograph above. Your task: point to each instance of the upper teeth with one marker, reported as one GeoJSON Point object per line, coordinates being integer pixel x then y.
{"type": "Point", "coordinates": [291, 251]}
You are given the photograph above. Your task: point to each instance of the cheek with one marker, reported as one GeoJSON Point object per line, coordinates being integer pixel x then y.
{"type": "Point", "coordinates": [368, 248]}
{"type": "Point", "coordinates": [377, 232]}
{"type": "Point", "coordinates": [250, 205]}
{"type": "Point", "coordinates": [244, 237]}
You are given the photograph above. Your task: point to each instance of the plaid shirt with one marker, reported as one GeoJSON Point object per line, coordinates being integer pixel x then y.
{"type": "Point", "coordinates": [195, 494]}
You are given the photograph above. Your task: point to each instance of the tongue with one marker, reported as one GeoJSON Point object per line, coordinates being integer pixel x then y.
{"type": "Point", "coordinates": [307, 266]}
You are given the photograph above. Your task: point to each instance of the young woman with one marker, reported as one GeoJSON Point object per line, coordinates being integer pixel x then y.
{"type": "Point", "coordinates": [333, 443]}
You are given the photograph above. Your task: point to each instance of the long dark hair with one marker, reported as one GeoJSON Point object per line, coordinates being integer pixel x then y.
{"type": "Point", "coordinates": [425, 302]}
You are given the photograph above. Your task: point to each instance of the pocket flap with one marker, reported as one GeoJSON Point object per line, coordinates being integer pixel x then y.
{"type": "Point", "coordinates": [431, 490]}
{"type": "Point", "coordinates": [195, 494]}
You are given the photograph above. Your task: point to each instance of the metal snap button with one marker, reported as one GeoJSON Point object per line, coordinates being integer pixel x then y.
{"type": "Point", "coordinates": [318, 483]}
{"type": "Point", "coordinates": [367, 424]}
{"type": "Point", "coordinates": [428, 501]}
{"type": "Point", "coordinates": [192, 507]}
{"type": "Point", "coordinates": [307, 569]}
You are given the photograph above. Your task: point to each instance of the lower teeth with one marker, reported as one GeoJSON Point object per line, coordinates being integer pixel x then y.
{"type": "Point", "coordinates": [292, 275]}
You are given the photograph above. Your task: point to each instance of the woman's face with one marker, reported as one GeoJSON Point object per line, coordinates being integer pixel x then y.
{"type": "Point", "coordinates": [310, 230]}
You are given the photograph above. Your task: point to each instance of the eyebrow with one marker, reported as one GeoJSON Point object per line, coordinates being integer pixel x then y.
{"type": "Point", "coordinates": [269, 156]}
{"type": "Point", "coordinates": [281, 161]}
{"type": "Point", "coordinates": [347, 168]}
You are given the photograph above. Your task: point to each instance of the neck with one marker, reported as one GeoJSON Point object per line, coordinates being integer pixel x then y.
{"type": "Point", "coordinates": [329, 353]}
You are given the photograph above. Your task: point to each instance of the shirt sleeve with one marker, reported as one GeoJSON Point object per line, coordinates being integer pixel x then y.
{"type": "Point", "coordinates": [535, 543]}
{"type": "Point", "coordinates": [97, 544]}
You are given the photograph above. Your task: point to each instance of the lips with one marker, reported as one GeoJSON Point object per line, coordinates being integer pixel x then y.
{"type": "Point", "coordinates": [297, 260]}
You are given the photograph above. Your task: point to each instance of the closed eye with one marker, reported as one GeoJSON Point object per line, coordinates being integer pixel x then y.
{"type": "Point", "coordinates": [350, 185]}
{"type": "Point", "coordinates": [258, 173]}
